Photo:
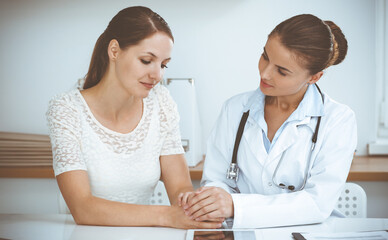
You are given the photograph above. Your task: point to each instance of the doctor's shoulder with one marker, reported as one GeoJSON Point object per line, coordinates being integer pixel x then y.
{"type": "Point", "coordinates": [335, 112]}
{"type": "Point", "coordinates": [237, 103]}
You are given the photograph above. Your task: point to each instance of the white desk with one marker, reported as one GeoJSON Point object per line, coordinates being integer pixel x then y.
{"type": "Point", "coordinates": [62, 227]}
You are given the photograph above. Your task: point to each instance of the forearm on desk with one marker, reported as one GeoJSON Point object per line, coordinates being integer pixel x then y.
{"type": "Point", "coordinates": [98, 211]}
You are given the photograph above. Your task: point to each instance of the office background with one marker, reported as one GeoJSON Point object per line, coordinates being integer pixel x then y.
{"type": "Point", "coordinates": [46, 46]}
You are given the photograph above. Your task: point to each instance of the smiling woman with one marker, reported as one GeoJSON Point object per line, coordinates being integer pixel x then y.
{"type": "Point", "coordinates": [297, 143]}
{"type": "Point", "coordinates": [114, 139]}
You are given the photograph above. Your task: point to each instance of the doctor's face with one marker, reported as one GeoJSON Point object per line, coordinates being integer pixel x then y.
{"type": "Point", "coordinates": [281, 71]}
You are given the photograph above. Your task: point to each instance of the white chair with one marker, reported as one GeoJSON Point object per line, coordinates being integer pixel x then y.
{"type": "Point", "coordinates": [352, 202]}
{"type": "Point", "coordinates": [159, 197]}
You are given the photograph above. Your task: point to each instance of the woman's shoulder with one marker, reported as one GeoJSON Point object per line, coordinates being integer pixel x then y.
{"type": "Point", "coordinates": [64, 102]}
{"type": "Point", "coordinates": [162, 94]}
{"type": "Point", "coordinates": [160, 90]}
{"type": "Point", "coordinates": [65, 97]}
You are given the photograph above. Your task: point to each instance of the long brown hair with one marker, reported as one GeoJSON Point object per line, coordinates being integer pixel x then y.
{"type": "Point", "coordinates": [318, 44]}
{"type": "Point", "coordinates": [128, 27]}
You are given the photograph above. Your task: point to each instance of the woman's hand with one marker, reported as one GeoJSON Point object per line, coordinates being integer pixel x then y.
{"type": "Point", "coordinates": [184, 197]}
{"type": "Point", "coordinates": [209, 203]}
{"type": "Point", "coordinates": [177, 218]}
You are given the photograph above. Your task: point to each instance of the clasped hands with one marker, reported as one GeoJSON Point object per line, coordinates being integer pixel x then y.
{"type": "Point", "coordinates": [207, 204]}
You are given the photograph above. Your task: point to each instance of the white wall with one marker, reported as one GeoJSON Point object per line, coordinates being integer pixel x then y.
{"type": "Point", "coordinates": [46, 45]}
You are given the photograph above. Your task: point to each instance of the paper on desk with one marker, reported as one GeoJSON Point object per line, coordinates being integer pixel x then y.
{"type": "Point", "coordinates": [374, 235]}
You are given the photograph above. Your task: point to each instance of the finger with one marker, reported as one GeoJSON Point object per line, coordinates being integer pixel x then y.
{"type": "Point", "coordinates": [191, 196]}
{"type": "Point", "coordinates": [200, 189]}
{"type": "Point", "coordinates": [206, 216]}
{"type": "Point", "coordinates": [185, 199]}
{"type": "Point", "coordinates": [202, 208]}
{"type": "Point", "coordinates": [199, 205]}
{"type": "Point", "coordinates": [203, 189]}
{"type": "Point", "coordinates": [210, 215]}
{"type": "Point", "coordinates": [207, 225]}
{"type": "Point", "coordinates": [198, 197]}
{"type": "Point", "coordinates": [216, 220]}
{"type": "Point", "coordinates": [180, 199]}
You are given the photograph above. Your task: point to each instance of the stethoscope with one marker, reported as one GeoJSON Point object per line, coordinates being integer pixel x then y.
{"type": "Point", "coordinates": [233, 171]}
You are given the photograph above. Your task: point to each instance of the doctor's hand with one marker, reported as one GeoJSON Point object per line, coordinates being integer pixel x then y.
{"type": "Point", "coordinates": [209, 203]}
{"type": "Point", "coordinates": [183, 198]}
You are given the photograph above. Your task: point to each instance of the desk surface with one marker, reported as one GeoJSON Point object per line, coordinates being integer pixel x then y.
{"type": "Point", "coordinates": [62, 226]}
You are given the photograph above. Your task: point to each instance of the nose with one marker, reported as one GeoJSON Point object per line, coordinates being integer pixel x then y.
{"type": "Point", "coordinates": [265, 71]}
{"type": "Point", "coordinates": [156, 73]}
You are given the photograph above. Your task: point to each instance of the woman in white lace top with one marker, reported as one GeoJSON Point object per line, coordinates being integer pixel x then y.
{"type": "Point", "coordinates": [117, 136]}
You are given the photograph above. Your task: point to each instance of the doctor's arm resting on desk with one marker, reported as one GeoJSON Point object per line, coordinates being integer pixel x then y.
{"type": "Point", "coordinates": [116, 137]}
{"type": "Point", "coordinates": [282, 179]}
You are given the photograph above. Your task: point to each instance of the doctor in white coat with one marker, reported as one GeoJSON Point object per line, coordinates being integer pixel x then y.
{"type": "Point", "coordinates": [285, 177]}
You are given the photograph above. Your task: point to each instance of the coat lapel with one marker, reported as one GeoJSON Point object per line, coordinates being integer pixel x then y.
{"type": "Point", "coordinates": [288, 137]}
{"type": "Point", "coordinates": [254, 139]}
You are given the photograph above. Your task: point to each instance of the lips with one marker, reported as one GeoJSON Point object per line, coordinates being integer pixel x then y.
{"type": "Point", "coordinates": [147, 85]}
{"type": "Point", "coordinates": [264, 84]}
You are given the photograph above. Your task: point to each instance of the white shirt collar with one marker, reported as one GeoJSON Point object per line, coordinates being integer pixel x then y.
{"type": "Point", "coordinates": [310, 106]}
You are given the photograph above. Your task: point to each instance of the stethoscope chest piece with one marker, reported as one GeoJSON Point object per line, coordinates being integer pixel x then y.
{"type": "Point", "coordinates": [232, 172]}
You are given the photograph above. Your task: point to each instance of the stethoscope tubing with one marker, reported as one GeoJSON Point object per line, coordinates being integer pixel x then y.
{"type": "Point", "coordinates": [233, 170]}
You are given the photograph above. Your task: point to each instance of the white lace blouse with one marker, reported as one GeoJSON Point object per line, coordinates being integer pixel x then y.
{"type": "Point", "coordinates": [121, 167]}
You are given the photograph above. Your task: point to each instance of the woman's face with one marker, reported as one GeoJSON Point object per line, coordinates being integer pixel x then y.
{"type": "Point", "coordinates": [280, 72]}
{"type": "Point", "coordinates": [140, 67]}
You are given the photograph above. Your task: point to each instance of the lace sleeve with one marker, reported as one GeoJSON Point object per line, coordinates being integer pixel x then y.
{"type": "Point", "coordinates": [65, 130]}
{"type": "Point", "coordinates": [169, 118]}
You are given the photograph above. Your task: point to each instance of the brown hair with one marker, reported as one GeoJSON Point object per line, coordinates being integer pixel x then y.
{"type": "Point", "coordinates": [128, 27]}
{"type": "Point", "coordinates": [319, 44]}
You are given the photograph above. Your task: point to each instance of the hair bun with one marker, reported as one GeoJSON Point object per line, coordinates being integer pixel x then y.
{"type": "Point", "coordinates": [342, 44]}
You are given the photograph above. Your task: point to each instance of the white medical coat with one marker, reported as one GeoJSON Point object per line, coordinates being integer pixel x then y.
{"type": "Point", "coordinates": [258, 202]}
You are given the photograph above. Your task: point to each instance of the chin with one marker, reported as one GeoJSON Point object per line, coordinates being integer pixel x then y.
{"type": "Point", "coordinates": [143, 93]}
{"type": "Point", "coordinates": [266, 92]}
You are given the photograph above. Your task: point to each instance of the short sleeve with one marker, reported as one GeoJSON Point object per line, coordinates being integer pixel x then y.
{"type": "Point", "coordinates": [169, 120]}
{"type": "Point", "coordinates": [65, 134]}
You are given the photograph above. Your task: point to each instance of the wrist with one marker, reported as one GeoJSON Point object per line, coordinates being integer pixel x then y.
{"type": "Point", "coordinates": [163, 216]}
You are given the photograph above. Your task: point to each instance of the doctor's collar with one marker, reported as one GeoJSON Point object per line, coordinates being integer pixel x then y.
{"type": "Point", "coordinates": [255, 104]}
{"type": "Point", "coordinates": [310, 106]}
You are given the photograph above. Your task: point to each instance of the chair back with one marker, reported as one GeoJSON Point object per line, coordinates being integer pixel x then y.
{"type": "Point", "coordinates": [352, 202]}
{"type": "Point", "coordinates": [160, 197]}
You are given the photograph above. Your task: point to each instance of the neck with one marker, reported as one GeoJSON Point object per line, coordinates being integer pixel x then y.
{"type": "Point", "coordinates": [286, 103]}
{"type": "Point", "coordinates": [112, 99]}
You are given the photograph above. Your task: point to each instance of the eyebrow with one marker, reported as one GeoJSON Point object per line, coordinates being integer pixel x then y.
{"type": "Point", "coordinates": [153, 55]}
{"type": "Point", "coordinates": [283, 68]}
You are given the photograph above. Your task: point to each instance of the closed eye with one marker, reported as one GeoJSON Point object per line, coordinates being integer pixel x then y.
{"type": "Point", "coordinates": [145, 62]}
{"type": "Point", "coordinates": [264, 56]}
{"type": "Point", "coordinates": [281, 72]}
